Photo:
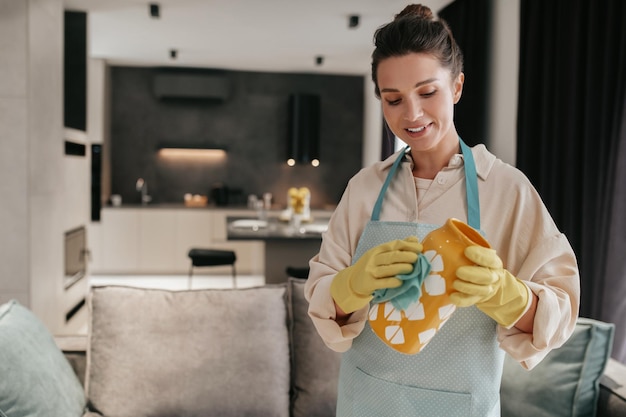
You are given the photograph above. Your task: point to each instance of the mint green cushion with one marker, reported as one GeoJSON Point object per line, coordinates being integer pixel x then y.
{"type": "Point", "coordinates": [566, 382]}
{"type": "Point", "coordinates": [35, 378]}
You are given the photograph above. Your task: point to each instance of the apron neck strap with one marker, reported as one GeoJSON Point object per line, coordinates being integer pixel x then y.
{"type": "Point", "coordinates": [471, 186]}
{"type": "Point", "coordinates": [381, 195]}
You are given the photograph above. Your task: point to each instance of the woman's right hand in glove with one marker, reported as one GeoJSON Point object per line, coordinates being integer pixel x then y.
{"type": "Point", "coordinates": [376, 269]}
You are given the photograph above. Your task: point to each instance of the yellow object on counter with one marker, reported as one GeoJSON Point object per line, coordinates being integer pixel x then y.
{"type": "Point", "coordinates": [297, 198]}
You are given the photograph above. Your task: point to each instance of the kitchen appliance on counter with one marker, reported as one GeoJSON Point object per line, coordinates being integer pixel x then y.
{"type": "Point", "coordinates": [219, 194]}
{"type": "Point", "coordinates": [223, 195]}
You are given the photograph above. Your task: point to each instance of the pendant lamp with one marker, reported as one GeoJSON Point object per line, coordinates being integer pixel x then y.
{"type": "Point", "coordinates": [303, 141]}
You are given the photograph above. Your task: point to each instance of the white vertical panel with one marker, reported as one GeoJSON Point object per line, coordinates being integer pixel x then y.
{"type": "Point", "coordinates": [502, 136]}
{"type": "Point", "coordinates": [372, 124]}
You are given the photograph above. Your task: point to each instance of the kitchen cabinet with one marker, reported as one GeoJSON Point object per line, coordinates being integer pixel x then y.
{"type": "Point", "coordinates": [119, 248]}
{"type": "Point", "coordinates": [155, 240]}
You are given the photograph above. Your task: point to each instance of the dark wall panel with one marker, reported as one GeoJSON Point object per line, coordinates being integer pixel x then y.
{"type": "Point", "coordinates": [96, 181]}
{"type": "Point", "coordinates": [75, 70]}
{"type": "Point", "coordinates": [252, 123]}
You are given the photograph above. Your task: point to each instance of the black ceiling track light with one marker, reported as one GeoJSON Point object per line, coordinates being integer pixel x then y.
{"type": "Point", "coordinates": [173, 53]}
{"type": "Point", "coordinates": [319, 60]}
{"type": "Point", "coordinates": [155, 10]}
{"type": "Point", "coordinates": [353, 20]}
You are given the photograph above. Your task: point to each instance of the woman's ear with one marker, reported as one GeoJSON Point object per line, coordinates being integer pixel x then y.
{"type": "Point", "coordinates": [457, 87]}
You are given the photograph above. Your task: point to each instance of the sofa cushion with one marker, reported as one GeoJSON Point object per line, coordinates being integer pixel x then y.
{"type": "Point", "coordinates": [315, 366]}
{"type": "Point", "coordinates": [188, 353]}
{"type": "Point", "coordinates": [612, 400]}
{"type": "Point", "coordinates": [566, 382]}
{"type": "Point", "coordinates": [35, 377]}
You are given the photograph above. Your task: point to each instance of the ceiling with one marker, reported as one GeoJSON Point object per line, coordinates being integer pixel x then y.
{"type": "Point", "coordinates": [254, 35]}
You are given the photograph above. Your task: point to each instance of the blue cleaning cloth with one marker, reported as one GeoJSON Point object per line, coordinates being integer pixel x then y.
{"type": "Point", "coordinates": [411, 288]}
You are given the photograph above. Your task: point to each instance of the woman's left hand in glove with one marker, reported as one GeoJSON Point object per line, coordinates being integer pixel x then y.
{"type": "Point", "coordinates": [493, 289]}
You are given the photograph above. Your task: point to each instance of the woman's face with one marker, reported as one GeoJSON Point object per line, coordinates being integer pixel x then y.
{"type": "Point", "coordinates": [418, 98]}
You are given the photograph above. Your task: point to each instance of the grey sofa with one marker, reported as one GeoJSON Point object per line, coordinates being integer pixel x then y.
{"type": "Point", "coordinates": [245, 352]}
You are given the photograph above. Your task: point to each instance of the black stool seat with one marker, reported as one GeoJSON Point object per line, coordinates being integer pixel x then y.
{"type": "Point", "coordinates": [297, 272]}
{"type": "Point", "coordinates": [212, 257]}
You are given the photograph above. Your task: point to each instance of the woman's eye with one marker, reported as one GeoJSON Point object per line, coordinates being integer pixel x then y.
{"type": "Point", "coordinates": [393, 102]}
{"type": "Point", "coordinates": [429, 93]}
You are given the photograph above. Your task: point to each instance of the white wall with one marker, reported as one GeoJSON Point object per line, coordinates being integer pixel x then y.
{"type": "Point", "coordinates": [14, 147]}
{"type": "Point", "coordinates": [372, 123]}
{"type": "Point", "coordinates": [43, 193]}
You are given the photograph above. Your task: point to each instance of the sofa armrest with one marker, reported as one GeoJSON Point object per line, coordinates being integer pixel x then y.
{"type": "Point", "coordinates": [612, 401]}
{"type": "Point", "coordinates": [75, 350]}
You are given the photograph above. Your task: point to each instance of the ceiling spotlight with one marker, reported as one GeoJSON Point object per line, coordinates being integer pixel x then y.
{"type": "Point", "coordinates": [353, 21]}
{"type": "Point", "coordinates": [155, 10]}
{"type": "Point", "coordinates": [319, 60]}
{"type": "Point", "coordinates": [173, 53]}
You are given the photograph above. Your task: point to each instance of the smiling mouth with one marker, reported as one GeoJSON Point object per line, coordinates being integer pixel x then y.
{"type": "Point", "coordinates": [416, 129]}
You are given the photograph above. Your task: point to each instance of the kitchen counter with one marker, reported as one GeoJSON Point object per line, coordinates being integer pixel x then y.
{"type": "Point", "coordinates": [285, 245]}
{"type": "Point", "coordinates": [155, 239]}
{"type": "Point", "coordinates": [240, 228]}
{"type": "Point", "coordinates": [317, 213]}
{"type": "Point", "coordinates": [177, 206]}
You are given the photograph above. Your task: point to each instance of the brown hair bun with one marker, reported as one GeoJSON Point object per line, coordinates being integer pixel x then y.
{"type": "Point", "coordinates": [416, 10]}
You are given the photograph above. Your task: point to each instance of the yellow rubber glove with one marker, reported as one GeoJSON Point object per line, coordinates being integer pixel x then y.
{"type": "Point", "coordinates": [376, 269]}
{"type": "Point", "coordinates": [493, 289]}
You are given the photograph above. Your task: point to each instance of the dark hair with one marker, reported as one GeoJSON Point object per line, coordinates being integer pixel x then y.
{"type": "Point", "coordinates": [414, 30]}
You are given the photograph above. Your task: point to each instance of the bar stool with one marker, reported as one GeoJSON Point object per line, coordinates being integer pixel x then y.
{"type": "Point", "coordinates": [211, 257]}
{"type": "Point", "coordinates": [297, 272]}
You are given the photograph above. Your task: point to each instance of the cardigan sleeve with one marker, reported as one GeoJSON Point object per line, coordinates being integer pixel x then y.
{"type": "Point", "coordinates": [533, 249]}
{"type": "Point", "coordinates": [550, 271]}
{"type": "Point", "coordinates": [338, 247]}
{"type": "Point", "coordinates": [332, 258]}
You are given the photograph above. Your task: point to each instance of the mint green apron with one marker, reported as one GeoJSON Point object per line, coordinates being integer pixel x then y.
{"type": "Point", "coordinates": [456, 375]}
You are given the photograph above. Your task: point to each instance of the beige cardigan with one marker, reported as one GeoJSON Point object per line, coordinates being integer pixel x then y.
{"type": "Point", "coordinates": [513, 218]}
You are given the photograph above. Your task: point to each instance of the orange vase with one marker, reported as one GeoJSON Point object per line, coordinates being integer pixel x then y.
{"type": "Point", "coordinates": [409, 330]}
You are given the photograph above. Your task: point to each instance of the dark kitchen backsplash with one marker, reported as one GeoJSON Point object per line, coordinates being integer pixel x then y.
{"type": "Point", "coordinates": [252, 123]}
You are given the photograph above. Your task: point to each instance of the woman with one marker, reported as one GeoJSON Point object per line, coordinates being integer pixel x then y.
{"type": "Point", "coordinates": [521, 298]}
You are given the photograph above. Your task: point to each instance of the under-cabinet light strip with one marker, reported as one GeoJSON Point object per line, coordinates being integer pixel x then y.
{"type": "Point", "coordinates": [187, 152]}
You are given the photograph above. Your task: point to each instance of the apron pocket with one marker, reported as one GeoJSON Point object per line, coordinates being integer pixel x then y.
{"type": "Point", "coordinates": [375, 397]}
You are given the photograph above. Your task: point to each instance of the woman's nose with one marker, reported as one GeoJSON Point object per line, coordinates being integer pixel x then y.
{"type": "Point", "coordinates": [413, 109]}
